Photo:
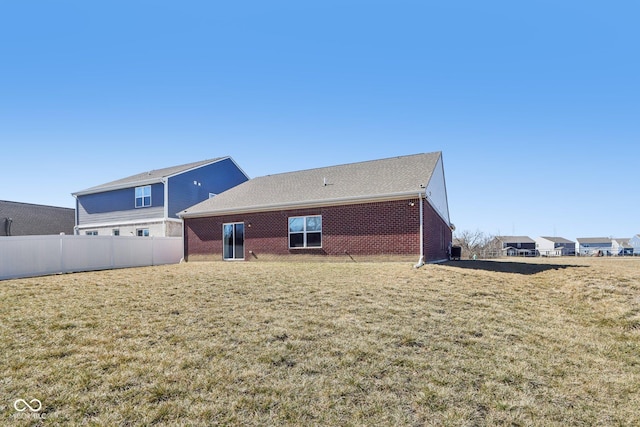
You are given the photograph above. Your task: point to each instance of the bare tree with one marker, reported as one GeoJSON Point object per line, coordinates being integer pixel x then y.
{"type": "Point", "coordinates": [472, 243]}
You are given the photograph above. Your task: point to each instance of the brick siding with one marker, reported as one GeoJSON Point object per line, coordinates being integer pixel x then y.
{"type": "Point", "coordinates": [384, 230]}
{"type": "Point", "coordinates": [437, 235]}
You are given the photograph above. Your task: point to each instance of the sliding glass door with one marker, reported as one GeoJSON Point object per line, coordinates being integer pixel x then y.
{"type": "Point", "coordinates": [233, 241]}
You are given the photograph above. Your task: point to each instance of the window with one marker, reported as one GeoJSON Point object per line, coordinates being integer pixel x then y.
{"type": "Point", "coordinates": [142, 232]}
{"type": "Point", "coordinates": [305, 231]}
{"type": "Point", "coordinates": [115, 232]}
{"type": "Point", "coordinates": [91, 233]}
{"type": "Point", "coordinates": [143, 196]}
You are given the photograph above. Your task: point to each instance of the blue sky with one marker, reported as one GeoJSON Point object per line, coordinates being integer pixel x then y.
{"type": "Point", "coordinates": [535, 105]}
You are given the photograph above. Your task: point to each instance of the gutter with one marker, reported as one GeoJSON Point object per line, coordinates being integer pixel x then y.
{"type": "Point", "coordinates": [141, 221]}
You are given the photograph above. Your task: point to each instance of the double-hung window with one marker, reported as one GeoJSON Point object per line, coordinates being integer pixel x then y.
{"type": "Point", "coordinates": [143, 196]}
{"type": "Point", "coordinates": [305, 231]}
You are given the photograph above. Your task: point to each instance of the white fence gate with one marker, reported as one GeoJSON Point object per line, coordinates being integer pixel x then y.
{"type": "Point", "coordinates": [27, 256]}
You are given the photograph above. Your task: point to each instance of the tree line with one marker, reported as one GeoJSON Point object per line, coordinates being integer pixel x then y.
{"type": "Point", "coordinates": [476, 243]}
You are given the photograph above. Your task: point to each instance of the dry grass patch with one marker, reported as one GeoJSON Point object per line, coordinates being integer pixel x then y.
{"type": "Point", "coordinates": [536, 342]}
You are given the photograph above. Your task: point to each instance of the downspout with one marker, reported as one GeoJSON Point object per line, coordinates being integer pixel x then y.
{"type": "Point", "coordinates": [421, 260]}
{"type": "Point", "coordinates": [165, 181]}
{"type": "Point", "coordinates": [76, 228]}
{"type": "Point", "coordinates": [7, 226]}
{"type": "Point", "coordinates": [184, 240]}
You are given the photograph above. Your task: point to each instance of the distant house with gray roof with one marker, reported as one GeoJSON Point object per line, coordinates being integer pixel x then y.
{"type": "Point", "coordinates": [594, 246]}
{"type": "Point", "coordinates": [27, 219]}
{"type": "Point", "coordinates": [393, 208]}
{"type": "Point", "coordinates": [621, 247]}
{"type": "Point", "coordinates": [515, 245]}
{"type": "Point", "coordinates": [146, 204]}
{"type": "Point", "coordinates": [635, 243]}
{"type": "Point", "coordinates": [555, 246]}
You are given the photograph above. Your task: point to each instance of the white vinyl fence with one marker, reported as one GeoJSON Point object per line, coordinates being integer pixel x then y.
{"type": "Point", "coordinates": [27, 256]}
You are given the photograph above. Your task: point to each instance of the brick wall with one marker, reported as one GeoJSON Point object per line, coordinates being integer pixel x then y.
{"type": "Point", "coordinates": [384, 230]}
{"type": "Point", "coordinates": [437, 235]}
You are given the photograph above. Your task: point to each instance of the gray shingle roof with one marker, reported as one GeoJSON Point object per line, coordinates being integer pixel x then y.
{"type": "Point", "coordinates": [623, 242]}
{"type": "Point", "coordinates": [365, 181]}
{"type": "Point", "coordinates": [557, 239]}
{"type": "Point", "coordinates": [594, 240]}
{"type": "Point", "coordinates": [515, 239]}
{"type": "Point", "coordinates": [147, 177]}
{"type": "Point", "coordinates": [28, 219]}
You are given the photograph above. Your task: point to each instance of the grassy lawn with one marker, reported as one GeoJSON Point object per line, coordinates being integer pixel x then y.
{"type": "Point", "coordinates": [538, 342]}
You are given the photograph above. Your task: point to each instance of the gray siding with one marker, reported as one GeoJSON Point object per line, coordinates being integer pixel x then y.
{"type": "Point", "coordinates": [86, 219]}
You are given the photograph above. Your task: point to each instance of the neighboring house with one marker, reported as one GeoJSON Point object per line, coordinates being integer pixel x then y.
{"type": "Point", "coordinates": [555, 246]}
{"type": "Point", "coordinates": [621, 247]}
{"type": "Point", "coordinates": [516, 245]}
{"type": "Point", "coordinates": [594, 246]}
{"type": "Point", "coordinates": [635, 243]}
{"type": "Point", "coordinates": [389, 209]}
{"type": "Point", "coordinates": [26, 219]}
{"type": "Point", "coordinates": [146, 204]}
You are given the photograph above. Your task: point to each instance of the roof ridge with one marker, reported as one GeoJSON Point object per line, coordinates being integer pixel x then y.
{"type": "Point", "coordinates": [35, 204]}
{"type": "Point", "coordinates": [349, 164]}
{"type": "Point", "coordinates": [179, 166]}
{"type": "Point", "coordinates": [152, 174]}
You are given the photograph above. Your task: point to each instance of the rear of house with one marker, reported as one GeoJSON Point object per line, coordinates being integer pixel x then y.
{"type": "Point", "coordinates": [594, 246]}
{"type": "Point", "coordinates": [146, 204]}
{"type": "Point", "coordinates": [555, 246]}
{"type": "Point", "coordinates": [621, 247]}
{"type": "Point", "coordinates": [635, 244]}
{"type": "Point", "coordinates": [389, 209]}
{"type": "Point", "coordinates": [516, 245]}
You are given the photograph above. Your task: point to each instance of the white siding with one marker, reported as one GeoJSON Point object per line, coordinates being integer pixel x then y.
{"type": "Point", "coordinates": [436, 192]}
{"type": "Point", "coordinates": [545, 247]}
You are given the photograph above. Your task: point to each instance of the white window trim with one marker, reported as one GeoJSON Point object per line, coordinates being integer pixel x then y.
{"type": "Point", "coordinates": [135, 204]}
{"type": "Point", "coordinates": [304, 233]}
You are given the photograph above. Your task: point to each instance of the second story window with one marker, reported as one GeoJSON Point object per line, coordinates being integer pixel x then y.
{"type": "Point", "coordinates": [143, 196]}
